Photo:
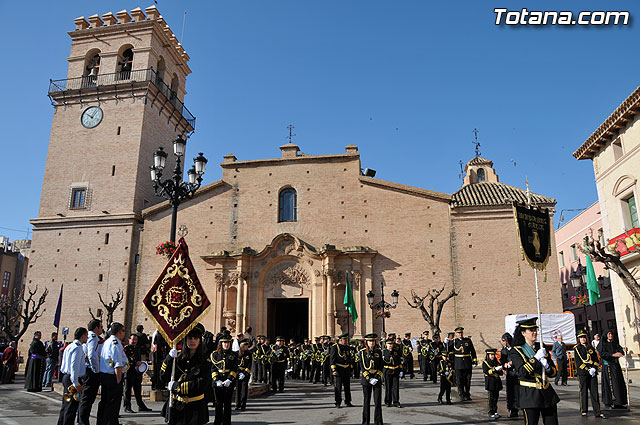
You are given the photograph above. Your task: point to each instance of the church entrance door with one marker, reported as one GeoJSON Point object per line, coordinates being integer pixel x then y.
{"type": "Point", "coordinates": [288, 318]}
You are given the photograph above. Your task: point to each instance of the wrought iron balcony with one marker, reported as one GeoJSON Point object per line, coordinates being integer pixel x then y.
{"type": "Point", "coordinates": [626, 243]}
{"type": "Point", "coordinates": [123, 78]}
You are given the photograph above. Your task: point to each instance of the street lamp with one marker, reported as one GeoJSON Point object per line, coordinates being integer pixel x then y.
{"type": "Point", "coordinates": [174, 188]}
{"type": "Point", "coordinates": [579, 281]}
{"type": "Point", "coordinates": [382, 305]}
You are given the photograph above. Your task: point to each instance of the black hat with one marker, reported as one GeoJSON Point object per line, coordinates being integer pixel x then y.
{"type": "Point", "coordinates": [459, 329]}
{"type": "Point", "coordinates": [528, 323]}
{"type": "Point", "coordinates": [582, 334]}
{"type": "Point", "coordinates": [425, 333]}
{"type": "Point", "coordinates": [317, 338]}
{"type": "Point", "coordinates": [451, 333]}
{"type": "Point", "coordinates": [407, 334]}
{"type": "Point", "coordinates": [392, 335]}
{"type": "Point", "coordinates": [390, 340]}
{"type": "Point", "coordinates": [490, 351]}
{"type": "Point", "coordinates": [197, 331]}
{"type": "Point", "coordinates": [261, 337]}
{"type": "Point", "coordinates": [436, 335]}
{"type": "Point", "coordinates": [226, 337]}
{"type": "Point", "coordinates": [371, 337]}
{"type": "Point", "coordinates": [306, 340]}
{"type": "Point", "coordinates": [279, 338]}
{"type": "Point", "coordinates": [344, 335]}
{"type": "Point", "coordinates": [244, 342]}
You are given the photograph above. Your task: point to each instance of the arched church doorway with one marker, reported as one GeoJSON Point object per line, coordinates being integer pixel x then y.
{"type": "Point", "coordinates": [288, 318]}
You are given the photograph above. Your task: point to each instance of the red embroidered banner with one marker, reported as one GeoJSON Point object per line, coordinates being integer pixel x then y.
{"type": "Point", "coordinates": [176, 301]}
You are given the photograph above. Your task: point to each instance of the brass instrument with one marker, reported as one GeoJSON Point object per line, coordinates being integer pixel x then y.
{"type": "Point", "coordinates": [72, 393]}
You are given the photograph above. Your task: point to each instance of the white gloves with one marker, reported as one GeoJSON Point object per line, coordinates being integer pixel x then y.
{"type": "Point", "coordinates": [507, 365]}
{"type": "Point", "coordinates": [173, 353]}
{"type": "Point", "coordinates": [498, 368]}
{"type": "Point", "coordinates": [219, 383]}
{"type": "Point", "coordinates": [540, 354]}
{"type": "Point", "coordinates": [545, 363]}
{"type": "Point", "coordinates": [446, 340]}
{"type": "Point", "coordinates": [446, 374]}
{"type": "Point", "coordinates": [373, 381]}
{"type": "Point", "coordinates": [227, 382]}
{"type": "Point", "coordinates": [241, 376]}
{"type": "Point", "coordinates": [171, 385]}
{"type": "Point", "coordinates": [592, 371]}
{"type": "Point", "coordinates": [401, 374]}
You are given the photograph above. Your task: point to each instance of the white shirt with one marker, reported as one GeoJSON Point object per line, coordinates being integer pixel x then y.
{"type": "Point", "coordinates": [73, 362]}
{"type": "Point", "coordinates": [112, 355]}
{"type": "Point", "coordinates": [92, 352]}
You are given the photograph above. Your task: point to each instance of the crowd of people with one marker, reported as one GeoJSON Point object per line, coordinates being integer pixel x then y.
{"type": "Point", "coordinates": [207, 368]}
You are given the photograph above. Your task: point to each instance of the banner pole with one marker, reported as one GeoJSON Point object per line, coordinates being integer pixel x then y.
{"type": "Point", "coordinates": [173, 377]}
{"type": "Point", "coordinates": [626, 368]}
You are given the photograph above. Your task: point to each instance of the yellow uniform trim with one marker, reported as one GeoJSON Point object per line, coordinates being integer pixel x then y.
{"type": "Point", "coordinates": [189, 399]}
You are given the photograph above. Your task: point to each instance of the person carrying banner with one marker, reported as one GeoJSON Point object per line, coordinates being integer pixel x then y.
{"type": "Point", "coordinates": [53, 352]}
{"type": "Point", "coordinates": [536, 396]}
{"type": "Point", "coordinates": [193, 377]}
{"type": "Point", "coordinates": [224, 373]}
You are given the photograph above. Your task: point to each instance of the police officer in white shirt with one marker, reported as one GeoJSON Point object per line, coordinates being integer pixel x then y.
{"type": "Point", "coordinates": [73, 368]}
{"type": "Point", "coordinates": [113, 365]}
{"type": "Point", "coordinates": [92, 380]}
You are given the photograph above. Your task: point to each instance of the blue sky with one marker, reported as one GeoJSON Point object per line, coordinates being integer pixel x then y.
{"type": "Point", "coordinates": [406, 81]}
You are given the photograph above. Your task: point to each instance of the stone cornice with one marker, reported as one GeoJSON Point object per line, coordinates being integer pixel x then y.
{"type": "Point", "coordinates": [425, 193]}
{"type": "Point", "coordinates": [344, 157]}
{"type": "Point", "coordinates": [89, 220]}
{"type": "Point", "coordinates": [609, 129]}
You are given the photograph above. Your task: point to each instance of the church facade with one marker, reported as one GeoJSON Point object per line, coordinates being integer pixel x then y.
{"type": "Point", "coordinates": [274, 241]}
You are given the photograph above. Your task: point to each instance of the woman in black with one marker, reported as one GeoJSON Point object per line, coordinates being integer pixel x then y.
{"type": "Point", "coordinates": [35, 364]}
{"type": "Point", "coordinates": [192, 377]}
{"type": "Point", "coordinates": [224, 373]}
{"type": "Point", "coordinates": [587, 371]}
{"type": "Point", "coordinates": [244, 372]}
{"type": "Point", "coordinates": [370, 359]}
{"type": "Point", "coordinates": [492, 383]}
{"type": "Point", "coordinates": [536, 397]}
{"type": "Point", "coordinates": [614, 390]}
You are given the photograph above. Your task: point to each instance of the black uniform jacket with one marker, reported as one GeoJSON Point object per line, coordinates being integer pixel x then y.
{"type": "Point", "coordinates": [193, 378]}
{"type": "Point", "coordinates": [224, 365]}
{"type": "Point", "coordinates": [532, 392]}
{"type": "Point", "coordinates": [464, 353]}
{"type": "Point", "coordinates": [435, 349]}
{"type": "Point", "coordinates": [392, 361]}
{"type": "Point", "coordinates": [406, 347]}
{"type": "Point", "coordinates": [244, 363]}
{"type": "Point", "coordinates": [586, 358]}
{"type": "Point", "coordinates": [340, 358]}
{"type": "Point", "coordinates": [492, 381]}
{"type": "Point", "coordinates": [444, 366]}
{"type": "Point", "coordinates": [424, 347]}
{"type": "Point", "coordinates": [371, 363]}
{"type": "Point", "coordinates": [280, 354]}
{"type": "Point", "coordinates": [504, 359]}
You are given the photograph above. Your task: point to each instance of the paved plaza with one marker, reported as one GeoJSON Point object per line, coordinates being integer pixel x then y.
{"type": "Point", "coordinates": [304, 403]}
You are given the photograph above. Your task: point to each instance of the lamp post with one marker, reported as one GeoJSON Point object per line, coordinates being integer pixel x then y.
{"type": "Point", "coordinates": [579, 281]}
{"type": "Point", "coordinates": [174, 188]}
{"type": "Point", "coordinates": [382, 305]}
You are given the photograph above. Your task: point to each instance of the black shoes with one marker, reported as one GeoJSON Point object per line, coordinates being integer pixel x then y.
{"type": "Point", "coordinates": [144, 409]}
{"type": "Point", "coordinates": [128, 410]}
{"type": "Point", "coordinates": [514, 413]}
{"type": "Point", "coordinates": [348, 404]}
{"type": "Point", "coordinates": [397, 405]}
{"type": "Point", "coordinates": [439, 401]}
{"type": "Point", "coordinates": [448, 401]}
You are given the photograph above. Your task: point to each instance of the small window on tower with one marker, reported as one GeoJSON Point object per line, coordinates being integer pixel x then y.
{"type": "Point", "coordinates": [481, 175]}
{"type": "Point", "coordinates": [78, 197]}
{"type": "Point", "coordinates": [125, 64]}
{"type": "Point", "coordinates": [287, 205]}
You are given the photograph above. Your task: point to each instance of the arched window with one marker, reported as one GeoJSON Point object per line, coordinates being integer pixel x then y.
{"type": "Point", "coordinates": [173, 96]}
{"type": "Point", "coordinates": [160, 73]}
{"type": "Point", "coordinates": [125, 63]}
{"type": "Point", "coordinates": [481, 176]}
{"type": "Point", "coordinates": [287, 205]}
{"type": "Point", "coordinates": [91, 68]}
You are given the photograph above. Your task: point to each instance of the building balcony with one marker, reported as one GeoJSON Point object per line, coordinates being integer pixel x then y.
{"type": "Point", "coordinates": [125, 80]}
{"type": "Point", "coordinates": [626, 243]}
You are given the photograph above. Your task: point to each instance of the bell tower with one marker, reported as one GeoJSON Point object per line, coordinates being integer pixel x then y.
{"type": "Point", "coordinates": [122, 98]}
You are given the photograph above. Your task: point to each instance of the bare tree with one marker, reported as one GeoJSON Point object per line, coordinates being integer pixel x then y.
{"type": "Point", "coordinates": [116, 300]}
{"type": "Point", "coordinates": [430, 306]}
{"type": "Point", "coordinates": [26, 310]}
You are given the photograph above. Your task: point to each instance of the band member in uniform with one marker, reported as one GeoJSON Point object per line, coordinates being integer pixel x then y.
{"type": "Point", "coordinates": [92, 379]}
{"type": "Point", "coordinates": [392, 358]}
{"type": "Point", "coordinates": [73, 368]}
{"type": "Point", "coordinates": [535, 397]}
{"type": "Point", "coordinates": [257, 360]}
{"type": "Point", "coordinates": [407, 356]}
{"type": "Point", "coordinates": [244, 373]}
{"type": "Point", "coordinates": [356, 346]}
{"type": "Point", "coordinates": [280, 356]}
{"type": "Point", "coordinates": [370, 358]}
{"type": "Point", "coordinates": [448, 341]}
{"type": "Point", "coordinates": [315, 361]}
{"type": "Point", "coordinates": [423, 355]}
{"type": "Point", "coordinates": [587, 370]}
{"type": "Point", "coordinates": [464, 359]}
{"type": "Point", "coordinates": [492, 383]}
{"type": "Point", "coordinates": [113, 366]}
{"type": "Point", "coordinates": [133, 380]}
{"type": "Point", "coordinates": [340, 360]}
{"type": "Point", "coordinates": [435, 349]}
{"type": "Point", "coordinates": [614, 390]}
{"type": "Point", "coordinates": [511, 376]}
{"type": "Point", "coordinates": [445, 369]}
{"type": "Point", "coordinates": [35, 364]}
{"type": "Point", "coordinates": [224, 372]}
{"type": "Point", "coordinates": [327, 378]}
{"type": "Point", "coordinates": [192, 379]}
{"type": "Point", "coordinates": [306, 354]}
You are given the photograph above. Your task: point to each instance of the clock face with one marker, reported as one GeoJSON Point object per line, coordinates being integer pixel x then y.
{"type": "Point", "coordinates": [91, 117]}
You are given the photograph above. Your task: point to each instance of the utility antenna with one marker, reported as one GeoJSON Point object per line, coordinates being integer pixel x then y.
{"type": "Point", "coordinates": [184, 19]}
{"type": "Point", "coordinates": [475, 132]}
{"type": "Point", "coordinates": [461, 169]}
{"type": "Point", "coordinates": [291, 134]}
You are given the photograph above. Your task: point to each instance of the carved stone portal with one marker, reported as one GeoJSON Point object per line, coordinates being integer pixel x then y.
{"type": "Point", "coordinates": [288, 273]}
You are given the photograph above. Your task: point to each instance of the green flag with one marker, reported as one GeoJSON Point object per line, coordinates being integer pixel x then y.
{"type": "Point", "coordinates": [592, 283]}
{"type": "Point", "coordinates": [349, 302]}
